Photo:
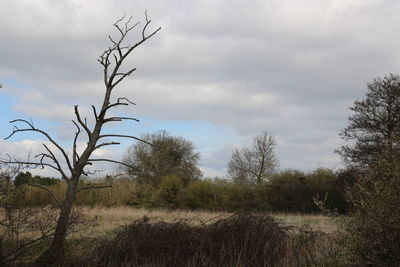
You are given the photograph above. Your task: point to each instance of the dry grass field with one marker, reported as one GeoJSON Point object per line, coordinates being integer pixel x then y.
{"type": "Point", "coordinates": [106, 220]}
{"type": "Point", "coordinates": [128, 236]}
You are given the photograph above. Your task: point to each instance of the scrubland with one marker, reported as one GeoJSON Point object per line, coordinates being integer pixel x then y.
{"type": "Point", "coordinates": [125, 236]}
{"type": "Point", "coordinates": [106, 219]}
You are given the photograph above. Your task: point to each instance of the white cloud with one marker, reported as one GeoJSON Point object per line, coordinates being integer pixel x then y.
{"type": "Point", "coordinates": [27, 151]}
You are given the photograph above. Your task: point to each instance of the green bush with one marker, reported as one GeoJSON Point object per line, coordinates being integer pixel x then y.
{"type": "Point", "coordinates": [248, 197]}
{"type": "Point", "coordinates": [169, 190]}
{"type": "Point", "coordinates": [144, 196]}
{"type": "Point", "coordinates": [287, 191]}
{"type": "Point", "coordinates": [294, 191]}
{"type": "Point", "coordinates": [27, 178]}
{"type": "Point", "coordinates": [203, 194]}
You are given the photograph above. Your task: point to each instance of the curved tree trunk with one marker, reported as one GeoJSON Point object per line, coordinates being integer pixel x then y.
{"type": "Point", "coordinates": [55, 251]}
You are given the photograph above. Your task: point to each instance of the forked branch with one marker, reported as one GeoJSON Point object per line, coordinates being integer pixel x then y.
{"type": "Point", "coordinates": [31, 128]}
{"type": "Point", "coordinates": [53, 196]}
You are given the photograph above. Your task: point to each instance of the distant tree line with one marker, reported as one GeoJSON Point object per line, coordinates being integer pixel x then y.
{"type": "Point", "coordinates": [163, 172]}
{"type": "Point", "coordinates": [286, 191]}
{"type": "Point", "coordinates": [27, 178]}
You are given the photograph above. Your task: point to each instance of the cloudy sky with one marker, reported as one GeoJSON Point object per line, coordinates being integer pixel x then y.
{"type": "Point", "coordinates": [218, 73]}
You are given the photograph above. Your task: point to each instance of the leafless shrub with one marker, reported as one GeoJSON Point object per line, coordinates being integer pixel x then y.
{"type": "Point", "coordinates": [238, 240]}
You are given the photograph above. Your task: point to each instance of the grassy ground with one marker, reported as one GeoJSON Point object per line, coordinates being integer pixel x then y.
{"type": "Point", "coordinates": [106, 220]}
{"type": "Point", "coordinates": [317, 222]}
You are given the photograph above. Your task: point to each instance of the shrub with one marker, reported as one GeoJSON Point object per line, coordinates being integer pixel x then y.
{"type": "Point", "coordinates": [239, 240]}
{"type": "Point", "coordinates": [168, 192]}
{"type": "Point", "coordinates": [374, 229]}
{"type": "Point", "coordinates": [246, 197]}
{"type": "Point", "coordinates": [144, 196]}
{"type": "Point", "coordinates": [27, 178]}
{"type": "Point", "coordinates": [203, 194]}
{"type": "Point", "coordinates": [294, 191]}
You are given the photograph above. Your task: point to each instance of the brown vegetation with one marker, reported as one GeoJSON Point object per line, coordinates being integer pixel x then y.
{"type": "Point", "coordinates": [237, 240]}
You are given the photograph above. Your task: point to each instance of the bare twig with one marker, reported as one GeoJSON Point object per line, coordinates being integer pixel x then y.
{"type": "Point", "coordinates": [125, 136]}
{"type": "Point", "coordinates": [106, 144]}
{"type": "Point", "coordinates": [32, 128]}
{"type": "Point", "coordinates": [83, 124]}
{"type": "Point", "coordinates": [120, 119]}
{"type": "Point", "coordinates": [110, 160]}
{"type": "Point", "coordinates": [48, 191]}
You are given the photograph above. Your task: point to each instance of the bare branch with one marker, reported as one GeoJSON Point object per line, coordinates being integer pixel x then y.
{"type": "Point", "coordinates": [83, 124]}
{"type": "Point", "coordinates": [118, 103]}
{"type": "Point", "coordinates": [74, 153]}
{"type": "Point", "coordinates": [33, 129]}
{"type": "Point", "coordinates": [123, 75]}
{"type": "Point", "coordinates": [132, 27]}
{"type": "Point", "coordinates": [126, 99]}
{"type": "Point", "coordinates": [123, 33]}
{"type": "Point", "coordinates": [94, 112]}
{"type": "Point", "coordinates": [145, 26]}
{"type": "Point", "coordinates": [60, 170]}
{"type": "Point", "coordinates": [87, 172]}
{"type": "Point", "coordinates": [112, 41]}
{"type": "Point", "coordinates": [119, 119]}
{"type": "Point", "coordinates": [48, 191]}
{"type": "Point", "coordinates": [110, 160]}
{"type": "Point", "coordinates": [33, 165]}
{"type": "Point", "coordinates": [106, 144]}
{"type": "Point", "coordinates": [118, 21]}
{"type": "Point", "coordinates": [125, 136]}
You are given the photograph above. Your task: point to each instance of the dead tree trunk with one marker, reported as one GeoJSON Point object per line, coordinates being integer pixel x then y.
{"type": "Point", "coordinates": [111, 60]}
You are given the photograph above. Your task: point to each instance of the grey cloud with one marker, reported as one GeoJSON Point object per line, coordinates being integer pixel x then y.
{"type": "Point", "coordinates": [288, 67]}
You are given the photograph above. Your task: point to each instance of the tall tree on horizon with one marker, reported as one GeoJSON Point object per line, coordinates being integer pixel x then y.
{"type": "Point", "coordinates": [373, 132]}
{"type": "Point", "coordinates": [373, 149]}
{"type": "Point", "coordinates": [256, 163]}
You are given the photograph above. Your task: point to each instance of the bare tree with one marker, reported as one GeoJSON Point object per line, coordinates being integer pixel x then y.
{"type": "Point", "coordinates": [111, 60]}
{"type": "Point", "coordinates": [256, 163]}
